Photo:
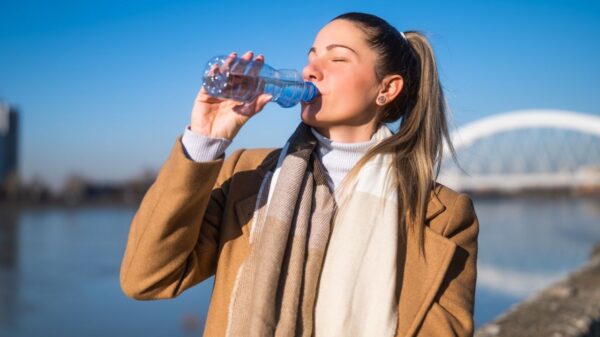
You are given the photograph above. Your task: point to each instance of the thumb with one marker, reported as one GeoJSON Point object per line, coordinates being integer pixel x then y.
{"type": "Point", "coordinates": [262, 100]}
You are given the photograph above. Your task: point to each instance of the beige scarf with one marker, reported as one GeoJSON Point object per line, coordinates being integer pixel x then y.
{"type": "Point", "coordinates": [276, 286]}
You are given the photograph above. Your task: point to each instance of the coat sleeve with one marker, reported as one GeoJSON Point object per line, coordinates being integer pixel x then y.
{"type": "Point", "coordinates": [451, 313]}
{"type": "Point", "coordinates": [173, 237]}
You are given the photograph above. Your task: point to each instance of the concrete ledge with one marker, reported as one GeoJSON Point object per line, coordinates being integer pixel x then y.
{"type": "Point", "coordinates": [568, 308]}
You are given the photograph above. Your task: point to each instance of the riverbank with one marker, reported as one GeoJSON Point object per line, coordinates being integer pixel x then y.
{"type": "Point", "coordinates": [567, 308]}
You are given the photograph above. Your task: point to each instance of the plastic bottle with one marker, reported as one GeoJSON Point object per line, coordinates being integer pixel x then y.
{"type": "Point", "coordinates": [245, 80]}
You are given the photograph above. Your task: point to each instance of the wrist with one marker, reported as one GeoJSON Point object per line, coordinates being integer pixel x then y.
{"type": "Point", "coordinates": [206, 132]}
{"type": "Point", "coordinates": [202, 131]}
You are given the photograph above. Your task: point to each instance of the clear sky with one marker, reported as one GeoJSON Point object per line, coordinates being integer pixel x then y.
{"type": "Point", "coordinates": [105, 87]}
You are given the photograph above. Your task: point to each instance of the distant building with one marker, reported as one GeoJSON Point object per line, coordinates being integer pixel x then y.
{"type": "Point", "coordinates": [8, 141]}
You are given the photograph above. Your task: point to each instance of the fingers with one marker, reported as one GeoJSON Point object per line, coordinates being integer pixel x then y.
{"type": "Point", "coordinates": [245, 73]}
{"type": "Point", "coordinates": [240, 64]}
{"type": "Point", "coordinates": [257, 65]}
{"type": "Point", "coordinates": [213, 70]}
{"type": "Point", "coordinates": [252, 108]}
{"type": "Point", "coordinates": [241, 73]}
{"type": "Point", "coordinates": [211, 75]}
{"type": "Point", "coordinates": [228, 62]}
{"type": "Point", "coordinates": [262, 100]}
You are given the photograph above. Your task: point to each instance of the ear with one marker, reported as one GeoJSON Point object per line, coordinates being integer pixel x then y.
{"type": "Point", "coordinates": [391, 86]}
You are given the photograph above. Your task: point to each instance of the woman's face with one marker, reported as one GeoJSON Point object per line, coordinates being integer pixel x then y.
{"type": "Point", "coordinates": [342, 66]}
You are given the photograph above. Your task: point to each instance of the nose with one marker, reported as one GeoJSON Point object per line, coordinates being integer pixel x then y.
{"type": "Point", "coordinates": [312, 72]}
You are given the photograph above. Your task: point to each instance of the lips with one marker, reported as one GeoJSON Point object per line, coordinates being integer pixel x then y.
{"type": "Point", "coordinates": [320, 93]}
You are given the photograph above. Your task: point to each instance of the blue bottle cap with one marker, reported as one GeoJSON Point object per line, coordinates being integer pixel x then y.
{"type": "Point", "coordinates": [310, 91]}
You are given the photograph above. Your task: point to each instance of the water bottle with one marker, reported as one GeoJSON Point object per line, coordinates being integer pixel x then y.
{"type": "Point", "coordinates": [243, 81]}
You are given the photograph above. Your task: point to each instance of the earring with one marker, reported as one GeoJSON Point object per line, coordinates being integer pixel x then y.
{"type": "Point", "coordinates": [381, 99]}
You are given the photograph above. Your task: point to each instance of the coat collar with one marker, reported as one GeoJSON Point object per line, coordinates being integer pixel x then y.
{"type": "Point", "coordinates": [420, 276]}
{"type": "Point", "coordinates": [268, 163]}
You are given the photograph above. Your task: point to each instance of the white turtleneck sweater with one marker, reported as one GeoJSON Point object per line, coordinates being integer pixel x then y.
{"type": "Point", "coordinates": [339, 158]}
{"type": "Point", "coordinates": [372, 307]}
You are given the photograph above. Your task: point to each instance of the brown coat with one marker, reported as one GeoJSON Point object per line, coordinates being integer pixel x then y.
{"type": "Point", "coordinates": [193, 223]}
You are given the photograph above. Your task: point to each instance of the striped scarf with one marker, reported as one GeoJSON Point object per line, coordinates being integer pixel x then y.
{"type": "Point", "coordinates": [275, 289]}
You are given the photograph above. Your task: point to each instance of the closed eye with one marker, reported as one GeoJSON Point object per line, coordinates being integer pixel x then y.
{"type": "Point", "coordinates": [339, 60]}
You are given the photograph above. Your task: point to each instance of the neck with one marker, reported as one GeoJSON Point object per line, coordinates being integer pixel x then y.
{"type": "Point", "coordinates": [348, 133]}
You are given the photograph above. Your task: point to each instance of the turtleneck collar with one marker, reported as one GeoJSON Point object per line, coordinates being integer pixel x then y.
{"type": "Point", "coordinates": [326, 145]}
{"type": "Point", "coordinates": [338, 158]}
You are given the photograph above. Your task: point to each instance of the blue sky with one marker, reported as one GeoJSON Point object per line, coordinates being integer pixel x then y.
{"type": "Point", "coordinates": [105, 87]}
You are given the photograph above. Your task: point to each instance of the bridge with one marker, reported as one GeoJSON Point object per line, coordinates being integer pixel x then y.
{"type": "Point", "coordinates": [525, 150]}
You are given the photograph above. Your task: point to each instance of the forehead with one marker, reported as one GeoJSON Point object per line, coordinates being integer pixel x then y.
{"type": "Point", "coordinates": [342, 32]}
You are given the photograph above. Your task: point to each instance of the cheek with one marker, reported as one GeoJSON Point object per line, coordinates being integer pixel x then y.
{"type": "Point", "coordinates": [353, 92]}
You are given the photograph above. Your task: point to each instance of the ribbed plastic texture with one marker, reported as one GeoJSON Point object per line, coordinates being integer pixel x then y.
{"type": "Point", "coordinates": [243, 81]}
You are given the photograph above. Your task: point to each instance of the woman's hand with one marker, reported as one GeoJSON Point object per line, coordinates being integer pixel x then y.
{"type": "Point", "coordinates": [223, 118]}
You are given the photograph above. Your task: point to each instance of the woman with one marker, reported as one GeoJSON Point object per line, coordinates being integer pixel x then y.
{"type": "Point", "coordinates": [342, 231]}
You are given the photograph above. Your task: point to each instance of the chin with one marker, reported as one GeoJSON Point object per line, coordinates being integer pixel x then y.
{"type": "Point", "coordinates": [312, 117]}
{"type": "Point", "coordinates": [313, 113]}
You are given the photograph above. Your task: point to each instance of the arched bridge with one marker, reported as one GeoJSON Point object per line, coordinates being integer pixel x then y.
{"type": "Point", "coordinates": [526, 149]}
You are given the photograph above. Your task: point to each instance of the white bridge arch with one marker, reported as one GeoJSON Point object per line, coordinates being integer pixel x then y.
{"type": "Point", "coordinates": [584, 161]}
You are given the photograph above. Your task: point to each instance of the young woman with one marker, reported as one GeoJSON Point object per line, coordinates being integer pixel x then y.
{"type": "Point", "coordinates": [342, 231]}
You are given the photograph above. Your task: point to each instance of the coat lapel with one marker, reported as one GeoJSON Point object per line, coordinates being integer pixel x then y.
{"type": "Point", "coordinates": [420, 276]}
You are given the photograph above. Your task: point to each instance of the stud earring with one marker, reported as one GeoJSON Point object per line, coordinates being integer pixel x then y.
{"type": "Point", "coordinates": [381, 99]}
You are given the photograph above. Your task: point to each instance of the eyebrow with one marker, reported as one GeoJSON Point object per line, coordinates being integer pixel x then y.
{"type": "Point", "coordinates": [331, 46]}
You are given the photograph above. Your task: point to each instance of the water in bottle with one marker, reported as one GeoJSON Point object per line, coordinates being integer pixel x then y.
{"type": "Point", "coordinates": [243, 81]}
